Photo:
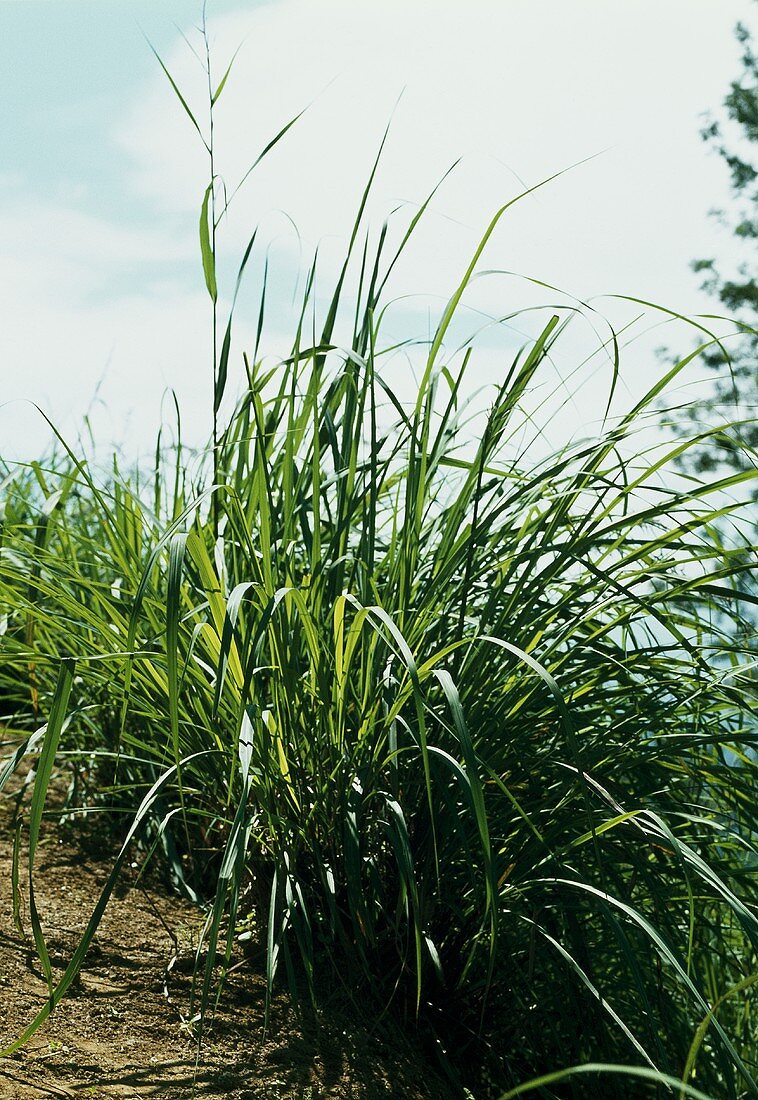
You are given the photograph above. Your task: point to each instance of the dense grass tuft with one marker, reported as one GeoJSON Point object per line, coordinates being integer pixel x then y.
{"type": "Point", "coordinates": [469, 730]}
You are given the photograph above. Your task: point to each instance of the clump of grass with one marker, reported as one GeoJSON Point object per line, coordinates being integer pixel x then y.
{"type": "Point", "coordinates": [468, 728]}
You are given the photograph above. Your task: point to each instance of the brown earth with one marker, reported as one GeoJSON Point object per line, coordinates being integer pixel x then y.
{"type": "Point", "coordinates": [120, 1030]}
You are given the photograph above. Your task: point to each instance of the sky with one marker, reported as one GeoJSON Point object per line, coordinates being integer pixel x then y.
{"type": "Point", "coordinates": [102, 301]}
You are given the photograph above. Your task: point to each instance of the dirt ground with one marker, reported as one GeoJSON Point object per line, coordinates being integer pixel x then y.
{"type": "Point", "coordinates": [120, 1032]}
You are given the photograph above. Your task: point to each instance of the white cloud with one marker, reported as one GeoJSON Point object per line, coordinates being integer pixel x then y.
{"type": "Point", "coordinates": [520, 89]}
{"type": "Point", "coordinates": [86, 300]}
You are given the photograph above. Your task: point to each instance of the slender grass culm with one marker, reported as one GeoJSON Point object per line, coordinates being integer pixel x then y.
{"type": "Point", "coordinates": [470, 727]}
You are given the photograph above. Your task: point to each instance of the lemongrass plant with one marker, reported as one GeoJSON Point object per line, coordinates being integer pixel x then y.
{"type": "Point", "coordinates": [470, 732]}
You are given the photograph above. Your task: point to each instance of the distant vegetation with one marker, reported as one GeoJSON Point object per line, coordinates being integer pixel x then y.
{"type": "Point", "coordinates": [470, 729]}
{"type": "Point", "coordinates": [735, 137]}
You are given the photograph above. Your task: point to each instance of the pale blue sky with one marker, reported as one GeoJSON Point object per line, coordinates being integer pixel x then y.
{"type": "Point", "coordinates": [69, 69]}
{"type": "Point", "coordinates": [101, 178]}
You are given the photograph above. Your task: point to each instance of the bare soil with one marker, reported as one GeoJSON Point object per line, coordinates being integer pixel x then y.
{"type": "Point", "coordinates": [121, 1030]}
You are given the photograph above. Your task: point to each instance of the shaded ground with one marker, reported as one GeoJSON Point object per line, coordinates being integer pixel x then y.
{"type": "Point", "coordinates": [120, 1033]}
